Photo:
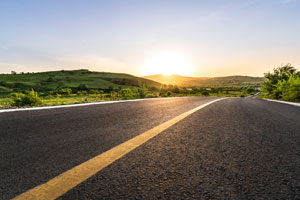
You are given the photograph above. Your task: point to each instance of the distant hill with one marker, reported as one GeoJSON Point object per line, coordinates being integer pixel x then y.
{"type": "Point", "coordinates": [206, 81]}
{"type": "Point", "coordinates": [45, 81]}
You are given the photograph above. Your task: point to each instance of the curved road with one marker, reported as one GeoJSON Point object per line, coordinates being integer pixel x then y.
{"type": "Point", "coordinates": [235, 148]}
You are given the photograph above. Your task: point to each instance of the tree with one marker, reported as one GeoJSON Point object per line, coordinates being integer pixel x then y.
{"type": "Point", "coordinates": [13, 72]}
{"type": "Point", "coordinates": [280, 73]}
{"type": "Point", "coordinates": [282, 83]}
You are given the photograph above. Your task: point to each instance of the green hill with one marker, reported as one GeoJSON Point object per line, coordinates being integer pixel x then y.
{"type": "Point", "coordinates": [46, 81]}
{"type": "Point", "coordinates": [207, 82]}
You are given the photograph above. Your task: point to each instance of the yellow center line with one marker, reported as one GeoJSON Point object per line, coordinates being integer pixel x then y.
{"type": "Point", "coordinates": [64, 182]}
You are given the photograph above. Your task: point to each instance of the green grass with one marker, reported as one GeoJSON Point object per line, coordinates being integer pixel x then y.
{"type": "Point", "coordinates": [70, 79]}
{"type": "Point", "coordinates": [4, 102]}
{"type": "Point", "coordinates": [65, 100]}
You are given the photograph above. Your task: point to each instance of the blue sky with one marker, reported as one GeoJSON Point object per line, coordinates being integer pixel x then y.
{"type": "Point", "coordinates": [218, 37]}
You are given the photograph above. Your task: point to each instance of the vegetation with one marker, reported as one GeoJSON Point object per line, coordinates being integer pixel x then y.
{"type": "Point", "coordinates": [283, 83]}
{"type": "Point", "coordinates": [28, 99]}
{"type": "Point", "coordinates": [208, 82]}
{"type": "Point", "coordinates": [81, 86]}
{"type": "Point", "coordinates": [75, 80]}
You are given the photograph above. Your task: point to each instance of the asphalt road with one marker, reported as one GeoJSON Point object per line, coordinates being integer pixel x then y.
{"type": "Point", "coordinates": [237, 148]}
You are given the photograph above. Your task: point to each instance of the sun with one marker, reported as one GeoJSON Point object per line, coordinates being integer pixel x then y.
{"type": "Point", "coordinates": [167, 63]}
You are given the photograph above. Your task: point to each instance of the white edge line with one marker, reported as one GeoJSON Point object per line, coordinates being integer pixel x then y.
{"type": "Point", "coordinates": [284, 102]}
{"type": "Point", "coordinates": [81, 104]}
{"type": "Point", "coordinates": [253, 96]}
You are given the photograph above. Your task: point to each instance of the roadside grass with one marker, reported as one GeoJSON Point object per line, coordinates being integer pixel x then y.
{"type": "Point", "coordinates": [4, 102]}
{"type": "Point", "coordinates": [73, 99]}
{"type": "Point", "coordinates": [77, 99]}
{"type": "Point", "coordinates": [62, 100]}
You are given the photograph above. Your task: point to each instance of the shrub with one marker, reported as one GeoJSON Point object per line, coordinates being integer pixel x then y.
{"type": "Point", "coordinates": [65, 91]}
{"type": "Point", "coordinates": [128, 94]}
{"type": "Point", "coordinates": [142, 90]}
{"type": "Point", "coordinates": [92, 91]}
{"type": "Point", "coordinates": [176, 89]}
{"type": "Point", "coordinates": [113, 95]}
{"type": "Point", "coordinates": [29, 99]}
{"type": "Point", "coordinates": [250, 90]}
{"type": "Point", "coordinates": [283, 83]}
{"type": "Point", "coordinates": [150, 95]}
{"type": "Point", "coordinates": [290, 89]}
{"type": "Point", "coordinates": [205, 93]}
{"type": "Point", "coordinates": [84, 92]}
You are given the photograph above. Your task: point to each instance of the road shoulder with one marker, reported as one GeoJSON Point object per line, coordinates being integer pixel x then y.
{"type": "Point", "coordinates": [284, 102]}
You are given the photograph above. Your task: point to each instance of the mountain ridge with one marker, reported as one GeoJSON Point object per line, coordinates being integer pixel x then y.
{"type": "Point", "coordinates": [206, 81]}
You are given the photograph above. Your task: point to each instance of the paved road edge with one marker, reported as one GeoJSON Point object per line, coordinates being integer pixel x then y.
{"type": "Point", "coordinates": [81, 104]}
{"type": "Point", "coordinates": [284, 102]}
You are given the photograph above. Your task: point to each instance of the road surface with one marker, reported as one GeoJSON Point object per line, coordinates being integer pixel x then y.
{"type": "Point", "coordinates": [235, 148]}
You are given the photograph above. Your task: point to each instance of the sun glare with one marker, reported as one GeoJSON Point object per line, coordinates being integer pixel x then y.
{"type": "Point", "coordinates": [167, 63]}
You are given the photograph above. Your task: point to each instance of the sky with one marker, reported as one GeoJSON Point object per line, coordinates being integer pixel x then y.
{"type": "Point", "coordinates": [215, 37]}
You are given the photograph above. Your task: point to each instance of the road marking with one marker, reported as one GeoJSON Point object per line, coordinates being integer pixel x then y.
{"type": "Point", "coordinates": [64, 182]}
{"type": "Point", "coordinates": [82, 104]}
{"type": "Point", "coordinates": [284, 102]}
{"type": "Point", "coordinates": [253, 96]}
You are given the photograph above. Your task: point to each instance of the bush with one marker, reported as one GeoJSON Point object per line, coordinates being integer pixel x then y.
{"type": "Point", "coordinates": [283, 83]}
{"type": "Point", "coordinates": [65, 91]}
{"type": "Point", "coordinates": [142, 90]}
{"type": "Point", "coordinates": [113, 95]}
{"type": "Point", "coordinates": [29, 99]}
{"type": "Point", "coordinates": [289, 90]}
{"type": "Point", "coordinates": [205, 93]}
{"type": "Point", "coordinates": [149, 95]}
{"type": "Point", "coordinates": [128, 94]}
{"type": "Point", "coordinates": [82, 93]}
{"type": "Point", "coordinates": [250, 90]}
